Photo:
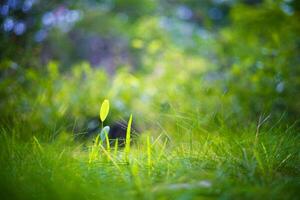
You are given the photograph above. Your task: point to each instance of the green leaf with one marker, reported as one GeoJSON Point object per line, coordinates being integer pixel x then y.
{"type": "Point", "coordinates": [104, 110]}
{"type": "Point", "coordinates": [104, 132]}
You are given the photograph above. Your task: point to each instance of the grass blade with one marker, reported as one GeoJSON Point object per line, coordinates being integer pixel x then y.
{"type": "Point", "coordinates": [127, 141]}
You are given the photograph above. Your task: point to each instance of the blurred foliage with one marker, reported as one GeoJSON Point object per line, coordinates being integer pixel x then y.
{"type": "Point", "coordinates": [260, 59]}
{"type": "Point", "coordinates": [220, 62]}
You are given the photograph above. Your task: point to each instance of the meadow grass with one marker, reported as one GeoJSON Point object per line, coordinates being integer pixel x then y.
{"type": "Point", "coordinates": [223, 164]}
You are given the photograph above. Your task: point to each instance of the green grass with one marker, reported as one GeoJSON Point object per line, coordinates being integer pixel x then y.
{"type": "Point", "coordinates": [203, 165]}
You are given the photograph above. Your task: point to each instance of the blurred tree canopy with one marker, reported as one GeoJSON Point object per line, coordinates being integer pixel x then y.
{"type": "Point", "coordinates": [247, 51]}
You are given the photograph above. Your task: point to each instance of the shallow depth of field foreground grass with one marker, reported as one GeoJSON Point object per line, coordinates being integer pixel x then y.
{"type": "Point", "coordinates": [222, 164]}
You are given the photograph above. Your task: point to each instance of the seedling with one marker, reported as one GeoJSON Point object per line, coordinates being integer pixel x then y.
{"type": "Point", "coordinates": [104, 110]}
{"type": "Point", "coordinates": [103, 135]}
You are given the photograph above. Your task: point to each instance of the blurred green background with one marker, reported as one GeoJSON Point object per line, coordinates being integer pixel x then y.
{"type": "Point", "coordinates": [222, 62]}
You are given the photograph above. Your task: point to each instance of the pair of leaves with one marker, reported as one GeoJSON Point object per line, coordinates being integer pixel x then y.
{"type": "Point", "coordinates": [105, 131]}
{"type": "Point", "coordinates": [103, 114]}
{"type": "Point", "coordinates": [104, 110]}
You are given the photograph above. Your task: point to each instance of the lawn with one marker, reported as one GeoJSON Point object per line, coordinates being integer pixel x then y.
{"type": "Point", "coordinates": [250, 163]}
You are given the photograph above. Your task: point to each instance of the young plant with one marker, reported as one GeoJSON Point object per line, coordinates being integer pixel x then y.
{"type": "Point", "coordinates": [94, 150]}
{"type": "Point", "coordinates": [104, 110]}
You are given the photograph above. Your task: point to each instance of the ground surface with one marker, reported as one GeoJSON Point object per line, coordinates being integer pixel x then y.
{"type": "Point", "coordinates": [219, 165]}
